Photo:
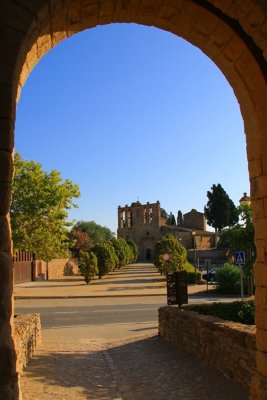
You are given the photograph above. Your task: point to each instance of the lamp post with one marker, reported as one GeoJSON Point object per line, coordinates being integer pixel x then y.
{"type": "Point", "coordinates": [195, 254]}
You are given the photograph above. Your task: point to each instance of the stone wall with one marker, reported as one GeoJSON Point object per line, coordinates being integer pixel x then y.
{"type": "Point", "coordinates": [228, 346]}
{"type": "Point", "coordinates": [57, 268]}
{"type": "Point", "coordinates": [27, 336]}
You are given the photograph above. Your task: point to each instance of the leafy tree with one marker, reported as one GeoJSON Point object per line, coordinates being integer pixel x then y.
{"type": "Point", "coordinates": [134, 249]}
{"type": "Point", "coordinates": [99, 234]}
{"type": "Point", "coordinates": [164, 214]}
{"type": "Point", "coordinates": [220, 210]}
{"type": "Point", "coordinates": [240, 236]}
{"type": "Point", "coordinates": [82, 241]}
{"type": "Point", "coordinates": [122, 250]}
{"type": "Point", "coordinates": [106, 258]}
{"type": "Point", "coordinates": [39, 209]}
{"type": "Point", "coordinates": [88, 265]}
{"type": "Point", "coordinates": [169, 255]}
{"type": "Point", "coordinates": [180, 218]}
{"type": "Point", "coordinates": [171, 220]}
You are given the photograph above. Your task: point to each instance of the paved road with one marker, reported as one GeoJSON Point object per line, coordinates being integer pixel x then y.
{"type": "Point", "coordinates": [108, 349]}
{"type": "Point", "coordinates": [98, 320]}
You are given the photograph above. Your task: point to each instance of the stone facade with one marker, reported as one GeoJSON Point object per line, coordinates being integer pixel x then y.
{"type": "Point", "coordinates": [232, 33]}
{"type": "Point", "coordinates": [144, 224]}
{"type": "Point", "coordinates": [195, 220]}
{"type": "Point", "coordinates": [228, 346]}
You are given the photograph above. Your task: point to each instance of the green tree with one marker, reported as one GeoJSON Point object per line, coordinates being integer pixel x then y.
{"type": "Point", "coordinates": [180, 218]}
{"type": "Point", "coordinates": [164, 214]}
{"type": "Point", "coordinates": [99, 234]}
{"type": "Point", "coordinates": [39, 210]}
{"type": "Point", "coordinates": [88, 265]}
{"type": "Point", "coordinates": [122, 250]}
{"type": "Point", "coordinates": [134, 249]}
{"type": "Point", "coordinates": [220, 210]}
{"type": "Point", "coordinates": [240, 236]}
{"type": "Point", "coordinates": [106, 258]}
{"type": "Point", "coordinates": [169, 255]}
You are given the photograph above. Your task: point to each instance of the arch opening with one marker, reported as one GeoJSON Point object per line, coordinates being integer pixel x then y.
{"type": "Point", "coordinates": [200, 26]}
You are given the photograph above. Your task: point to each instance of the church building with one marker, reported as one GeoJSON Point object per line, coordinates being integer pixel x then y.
{"type": "Point", "coordinates": [144, 224]}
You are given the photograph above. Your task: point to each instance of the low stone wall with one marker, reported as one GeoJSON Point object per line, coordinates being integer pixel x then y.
{"type": "Point", "coordinates": [27, 336]}
{"type": "Point", "coordinates": [228, 346]}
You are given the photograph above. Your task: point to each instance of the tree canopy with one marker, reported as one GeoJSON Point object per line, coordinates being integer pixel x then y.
{"type": "Point", "coordinates": [180, 218]}
{"type": "Point", "coordinates": [134, 249]}
{"type": "Point", "coordinates": [220, 210]}
{"type": "Point", "coordinates": [99, 234]}
{"type": "Point", "coordinates": [169, 255]}
{"type": "Point", "coordinates": [81, 241]}
{"type": "Point", "coordinates": [241, 235]}
{"type": "Point", "coordinates": [169, 218]}
{"type": "Point", "coordinates": [39, 209]}
{"type": "Point", "coordinates": [122, 250]}
{"type": "Point", "coordinates": [106, 258]}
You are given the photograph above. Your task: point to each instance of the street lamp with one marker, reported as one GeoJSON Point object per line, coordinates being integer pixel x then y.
{"type": "Point", "coordinates": [195, 254]}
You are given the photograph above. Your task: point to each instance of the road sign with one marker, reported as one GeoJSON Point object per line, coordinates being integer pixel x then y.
{"type": "Point", "coordinates": [240, 258]}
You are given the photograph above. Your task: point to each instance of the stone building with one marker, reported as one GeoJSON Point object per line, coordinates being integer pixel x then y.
{"type": "Point", "coordinates": [144, 224]}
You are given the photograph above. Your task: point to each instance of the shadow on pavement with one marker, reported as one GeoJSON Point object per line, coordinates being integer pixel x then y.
{"type": "Point", "coordinates": [149, 368]}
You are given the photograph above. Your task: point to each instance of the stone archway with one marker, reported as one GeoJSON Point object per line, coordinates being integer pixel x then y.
{"type": "Point", "coordinates": [232, 33]}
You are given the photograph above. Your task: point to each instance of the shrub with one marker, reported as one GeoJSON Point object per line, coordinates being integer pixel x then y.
{"type": "Point", "coordinates": [192, 277]}
{"type": "Point", "coordinates": [169, 255]}
{"type": "Point", "coordinates": [238, 311]}
{"type": "Point", "coordinates": [228, 279]}
{"type": "Point", "coordinates": [88, 265]}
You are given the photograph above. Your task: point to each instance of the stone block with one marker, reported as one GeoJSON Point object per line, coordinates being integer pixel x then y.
{"type": "Point", "coordinates": [261, 358]}
{"type": "Point", "coordinates": [259, 186]}
{"type": "Point", "coordinates": [5, 197]}
{"type": "Point", "coordinates": [7, 101]}
{"type": "Point", "coordinates": [6, 135]}
{"type": "Point", "coordinates": [261, 296]}
{"type": "Point", "coordinates": [6, 166]}
{"type": "Point", "coordinates": [261, 340]}
{"type": "Point", "coordinates": [255, 168]}
{"type": "Point", "coordinates": [260, 228]}
{"type": "Point", "coordinates": [260, 274]}
{"type": "Point", "coordinates": [258, 387]}
{"type": "Point", "coordinates": [6, 285]}
{"type": "Point", "coordinates": [261, 317]}
{"type": "Point", "coordinates": [5, 234]}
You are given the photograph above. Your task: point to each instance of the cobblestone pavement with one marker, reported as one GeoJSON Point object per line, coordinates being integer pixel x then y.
{"type": "Point", "coordinates": [137, 369]}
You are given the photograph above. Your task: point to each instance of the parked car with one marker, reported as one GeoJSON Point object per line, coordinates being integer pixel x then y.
{"type": "Point", "coordinates": [210, 276]}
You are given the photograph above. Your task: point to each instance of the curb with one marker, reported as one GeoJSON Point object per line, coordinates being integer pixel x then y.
{"type": "Point", "coordinates": [86, 297]}
{"type": "Point", "coordinates": [102, 296]}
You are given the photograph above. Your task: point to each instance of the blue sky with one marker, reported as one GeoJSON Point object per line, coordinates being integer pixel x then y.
{"type": "Point", "coordinates": [131, 112]}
